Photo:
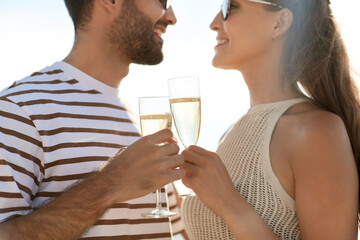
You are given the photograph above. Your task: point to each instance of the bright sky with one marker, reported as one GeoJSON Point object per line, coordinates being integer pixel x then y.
{"type": "Point", "coordinates": [36, 33]}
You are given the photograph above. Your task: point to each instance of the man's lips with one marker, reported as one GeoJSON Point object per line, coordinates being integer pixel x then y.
{"type": "Point", "coordinates": [159, 31]}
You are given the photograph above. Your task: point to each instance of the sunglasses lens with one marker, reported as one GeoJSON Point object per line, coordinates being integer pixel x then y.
{"type": "Point", "coordinates": [168, 4]}
{"type": "Point", "coordinates": [224, 9]}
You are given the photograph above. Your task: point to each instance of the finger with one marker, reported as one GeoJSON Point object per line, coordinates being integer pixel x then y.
{"type": "Point", "coordinates": [175, 175]}
{"type": "Point", "coordinates": [163, 136]}
{"type": "Point", "coordinates": [173, 162]}
{"type": "Point", "coordinates": [174, 140]}
{"type": "Point", "coordinates": [169, 149]}
{"type": "Point", "coordinates": [187, 181]}
{"type": "Point", "coordinates": [200, 151]}
{"type": "Point", "coordinates": [122, 149]}
{"type": "Point", "coordinates": [193, 157]}
{"type": "Point", "coordinates": [190, 169]}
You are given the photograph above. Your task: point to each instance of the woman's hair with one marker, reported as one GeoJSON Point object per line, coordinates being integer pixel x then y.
{"type": "Point", "coordinates": [79, 11]}
{"type": "Point", "coordinates": [315, 58]}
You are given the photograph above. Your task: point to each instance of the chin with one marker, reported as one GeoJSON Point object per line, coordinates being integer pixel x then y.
{"type": "Point", "coordinates": [148, 58]}
{"type": "Point", "coordinates": [219, 63]}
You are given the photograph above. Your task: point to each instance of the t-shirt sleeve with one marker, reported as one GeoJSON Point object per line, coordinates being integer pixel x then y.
{"type": "Point", "coordinates": [21, 161]}
{"type": "Point", "coordinates": [176, 223]}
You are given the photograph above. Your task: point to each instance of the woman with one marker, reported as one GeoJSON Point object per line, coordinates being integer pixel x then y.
{"type": "Point", "coordinates": [293, 157]}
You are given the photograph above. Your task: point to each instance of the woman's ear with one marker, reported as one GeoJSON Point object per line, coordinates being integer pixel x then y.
{"type": "Point", "coordinates": [283, 23]}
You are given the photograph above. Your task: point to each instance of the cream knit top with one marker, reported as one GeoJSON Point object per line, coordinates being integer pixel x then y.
{"type": "Point", "coordinates": [245, 151]}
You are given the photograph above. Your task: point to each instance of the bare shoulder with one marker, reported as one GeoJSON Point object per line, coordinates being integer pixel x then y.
{"type": "Point", "coordinates": [312, 126]}
{"type": "Point", "coordinates": [315, 138]}
{"type": "Point", "coordinates": [311, 116]}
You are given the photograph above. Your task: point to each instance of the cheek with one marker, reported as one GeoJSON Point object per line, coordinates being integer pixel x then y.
{"type": "Point", "coordinates": [153, 11]}
{"type": "Point", "coordinates": [249, 40]}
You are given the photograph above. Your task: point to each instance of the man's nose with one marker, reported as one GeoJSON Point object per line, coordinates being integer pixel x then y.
{"type": "Point", "coordinates": [169, 16]}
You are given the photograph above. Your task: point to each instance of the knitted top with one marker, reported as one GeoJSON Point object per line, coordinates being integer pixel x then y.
{"type": "Point", "coordinates": [245, 151]}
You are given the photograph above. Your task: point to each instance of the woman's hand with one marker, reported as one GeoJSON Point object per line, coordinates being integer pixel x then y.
{"type": "Point", "coordinates": [208, 177]}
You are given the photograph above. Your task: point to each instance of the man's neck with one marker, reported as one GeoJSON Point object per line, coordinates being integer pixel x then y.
{"type": "Point", "coordinates": [99, 62]}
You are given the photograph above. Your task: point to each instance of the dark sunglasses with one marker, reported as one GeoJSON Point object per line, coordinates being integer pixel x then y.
{"type": "Point", "coordinates": [225, 7]}
{"type": "Point", "coordinates": [166, 3]}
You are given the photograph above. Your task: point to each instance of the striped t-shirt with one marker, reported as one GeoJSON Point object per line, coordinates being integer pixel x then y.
{"type": "Point", "coordinates": [57, 126]}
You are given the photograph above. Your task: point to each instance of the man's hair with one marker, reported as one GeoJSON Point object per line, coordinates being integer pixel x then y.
{"type": "Point", "coordinates": [79, 11]}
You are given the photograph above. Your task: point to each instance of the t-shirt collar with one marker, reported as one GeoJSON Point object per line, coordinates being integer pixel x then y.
{"type": "Point", "coordinates": [84, 78]}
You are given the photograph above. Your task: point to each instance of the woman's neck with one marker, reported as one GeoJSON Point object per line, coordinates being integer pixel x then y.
{"type": "Point", "coordinates": [263, 78]}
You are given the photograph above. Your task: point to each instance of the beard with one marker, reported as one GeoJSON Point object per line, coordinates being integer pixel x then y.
{"type": "Point", "coordinates": [132, 35]}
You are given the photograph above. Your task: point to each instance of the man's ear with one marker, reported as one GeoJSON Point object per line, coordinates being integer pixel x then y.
{"type": "Point", "coordinates": [283, 23]}
{"type": "Point", "coordinates": [109, 5]}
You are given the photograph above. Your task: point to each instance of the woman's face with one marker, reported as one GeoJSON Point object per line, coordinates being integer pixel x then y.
{"type": "Point", "coordinates": [245, 36]}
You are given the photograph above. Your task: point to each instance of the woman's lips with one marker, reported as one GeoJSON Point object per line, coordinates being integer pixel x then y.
{"type": "Point", "coordinates": [221, 41]}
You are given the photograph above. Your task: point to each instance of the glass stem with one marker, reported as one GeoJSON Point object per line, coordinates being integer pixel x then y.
{"type": "Point", "coordinates": [158, 199]}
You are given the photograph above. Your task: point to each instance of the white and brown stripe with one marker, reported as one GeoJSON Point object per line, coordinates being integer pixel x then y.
{"type": "Point", "coordinates": [55, 130]}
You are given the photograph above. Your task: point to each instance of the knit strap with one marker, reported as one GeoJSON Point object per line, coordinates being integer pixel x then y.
{"type": "Point", "coordinates": [279, 109]}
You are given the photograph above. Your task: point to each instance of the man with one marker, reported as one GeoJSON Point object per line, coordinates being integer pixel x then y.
{"type": "Point", "coordinates": [62, 124]}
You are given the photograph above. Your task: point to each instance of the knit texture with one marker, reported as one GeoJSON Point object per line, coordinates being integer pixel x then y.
{"type": "Point", "coordinates": [245, 151]}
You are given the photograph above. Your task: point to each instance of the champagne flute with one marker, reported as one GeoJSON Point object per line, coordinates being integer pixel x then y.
{"type": "Point", "coordinates": [154, 116]}
{"type": "Point", "coordinates": [185, 105]}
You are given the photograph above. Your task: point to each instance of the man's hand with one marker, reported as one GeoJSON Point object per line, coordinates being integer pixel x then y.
{"type": "Point", "coordinates": [145, 166]}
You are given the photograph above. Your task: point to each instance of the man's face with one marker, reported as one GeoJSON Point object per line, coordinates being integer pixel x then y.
{"type": "Point", "coordinates": [138, 36]}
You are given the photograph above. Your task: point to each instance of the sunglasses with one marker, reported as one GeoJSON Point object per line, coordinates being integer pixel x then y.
{"type": "Point", "coordinates": [225, 7]}
{"type": "Point", "coordinates": [166, 3]}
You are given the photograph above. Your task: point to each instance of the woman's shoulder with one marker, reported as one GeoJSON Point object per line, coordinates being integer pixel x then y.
{"type": "Point", "coordinates": [310, 123]}
{"type": "Point", "coordinates": [317, 136]}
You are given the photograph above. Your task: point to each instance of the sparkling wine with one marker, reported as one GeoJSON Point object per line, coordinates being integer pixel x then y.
{"type": "Point", "coordinates": [187, 118]}
{"type": "Point", "coordinates": [154, 123]}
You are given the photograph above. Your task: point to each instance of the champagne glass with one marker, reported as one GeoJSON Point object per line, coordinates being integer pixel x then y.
{"type": "Point", "coordinates": [184, 94]}
{"type": "Point", "coordinates": [155, 115]}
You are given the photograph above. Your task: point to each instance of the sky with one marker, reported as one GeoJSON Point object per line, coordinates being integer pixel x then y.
{"type": "Point", "coordinates": [34, 34]}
